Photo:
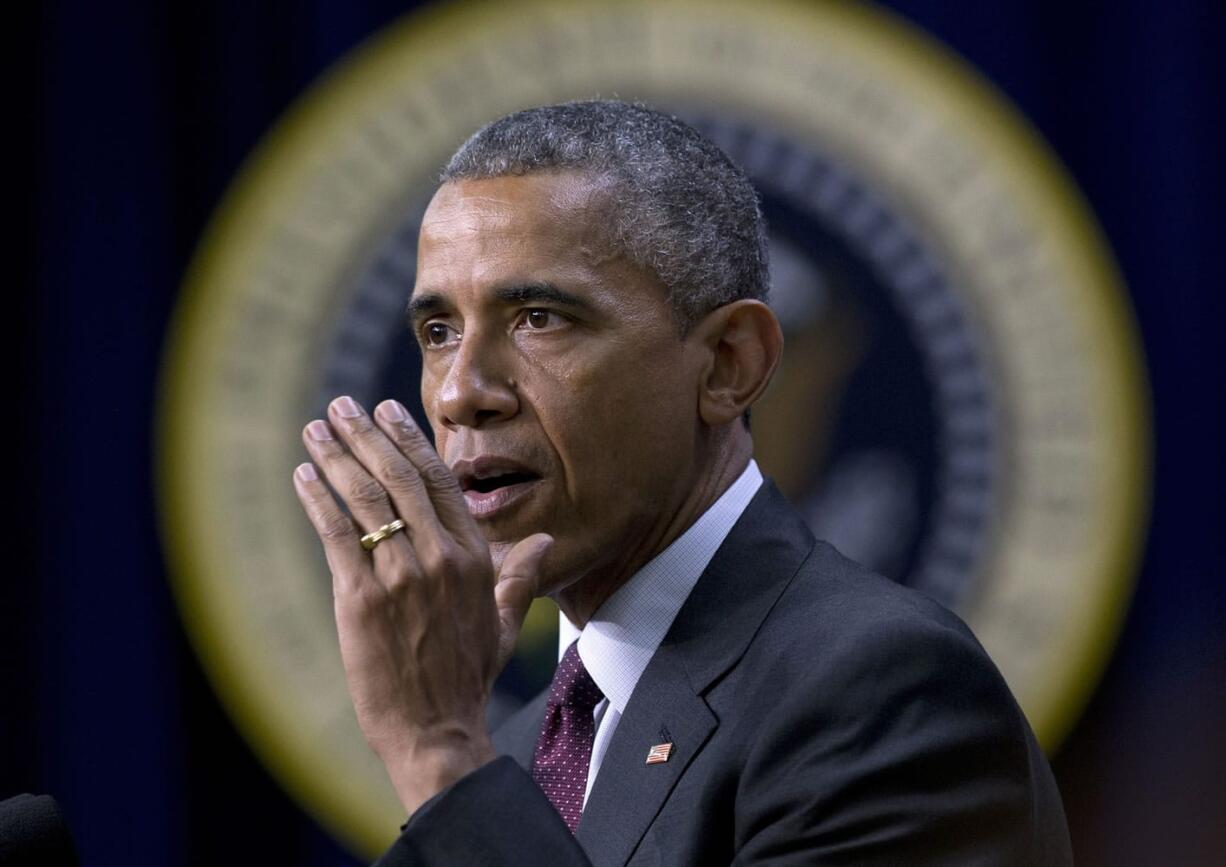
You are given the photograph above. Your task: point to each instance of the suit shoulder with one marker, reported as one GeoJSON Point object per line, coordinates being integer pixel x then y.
{"type": "Point", "coordinates": [869, 705]}
{"type": "Point", "coordinates": [834, 588]}
{"type": "Point", "coordinates": [838, 621]}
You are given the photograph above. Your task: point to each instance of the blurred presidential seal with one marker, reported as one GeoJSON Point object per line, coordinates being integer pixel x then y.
{"type": "Point", "coordinates": [961, 404]}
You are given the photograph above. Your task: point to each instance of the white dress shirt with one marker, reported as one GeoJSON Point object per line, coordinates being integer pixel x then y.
{"type": "Point", "coordinates": [625, 631]}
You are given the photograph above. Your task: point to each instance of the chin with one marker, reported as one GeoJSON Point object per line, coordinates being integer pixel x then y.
{"type": "Point", "coordinates": [503, 535]}
{"type": "Point", "coordinates": [550, 582]}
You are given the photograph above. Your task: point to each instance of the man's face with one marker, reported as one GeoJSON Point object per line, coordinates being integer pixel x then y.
{"type": "Point", "coordinates": [559, 389]}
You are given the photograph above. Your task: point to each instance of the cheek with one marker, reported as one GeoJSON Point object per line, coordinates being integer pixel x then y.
{"type": "Point", "coordinates": [429, 389]}
{"type": "Point", "coordinates": [652, 388]}
{"type": "Point", "coordinates": [627, 419]}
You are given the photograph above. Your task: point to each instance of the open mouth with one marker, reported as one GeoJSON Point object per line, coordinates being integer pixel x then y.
{"type": "Point", "coordinates": [492, 485]}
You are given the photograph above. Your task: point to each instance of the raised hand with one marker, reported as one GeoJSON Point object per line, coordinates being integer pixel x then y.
{"type": "Point", "coordinates": [424, 624]}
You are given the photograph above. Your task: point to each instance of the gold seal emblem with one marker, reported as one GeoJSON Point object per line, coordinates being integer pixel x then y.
{"type": "Point", "coordinates": [962, 404]}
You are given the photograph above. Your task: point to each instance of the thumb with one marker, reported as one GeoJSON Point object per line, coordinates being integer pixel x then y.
{"type": "Point", "coordinates": [516, 588]}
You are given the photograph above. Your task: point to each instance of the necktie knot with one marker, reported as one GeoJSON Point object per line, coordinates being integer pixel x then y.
{"type": "Point", "coordinates": [572, 686]}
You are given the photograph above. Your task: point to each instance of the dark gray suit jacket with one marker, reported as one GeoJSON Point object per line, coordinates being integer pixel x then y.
{"type": "Point", "coordinates": [820, 714]}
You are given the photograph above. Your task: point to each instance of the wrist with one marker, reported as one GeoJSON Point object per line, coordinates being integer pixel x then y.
{"type": "Point", "coordinates": [422, 769]}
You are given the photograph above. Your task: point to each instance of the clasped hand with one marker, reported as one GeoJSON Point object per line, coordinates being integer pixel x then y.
{"type": "Point", "coordinates": [424, 623]}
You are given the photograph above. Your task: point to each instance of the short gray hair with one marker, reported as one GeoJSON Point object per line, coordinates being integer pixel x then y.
{"type": "Point", "coordinates": [681, 207]}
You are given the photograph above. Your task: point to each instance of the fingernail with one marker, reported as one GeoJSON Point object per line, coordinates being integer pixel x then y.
{"type": "Point", "coordinates": [306, 473]}
{"type": "Point", "coordinates": [346, 407]}
{"type": "Point", "coordinates": [391, 410]}
{"type": "Point", "coordinates": [319, 431]}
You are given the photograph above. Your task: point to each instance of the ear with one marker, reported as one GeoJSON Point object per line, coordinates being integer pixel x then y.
{"type": "Point", "coordinates": [745, 343]}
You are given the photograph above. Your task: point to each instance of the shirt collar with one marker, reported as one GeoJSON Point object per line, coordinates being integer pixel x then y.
{"type": "Point", "coordinates": [625, 631]}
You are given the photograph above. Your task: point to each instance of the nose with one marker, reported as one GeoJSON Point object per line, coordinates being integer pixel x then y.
{"type": "Point", "coordinates": [478, 388]}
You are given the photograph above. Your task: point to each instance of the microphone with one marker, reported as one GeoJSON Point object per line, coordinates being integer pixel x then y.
{"type": "Point", "coordinates": [33, 833]}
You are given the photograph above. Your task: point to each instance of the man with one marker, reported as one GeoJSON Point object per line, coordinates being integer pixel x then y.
{"type": "Point", "coordinates": [590, 309]}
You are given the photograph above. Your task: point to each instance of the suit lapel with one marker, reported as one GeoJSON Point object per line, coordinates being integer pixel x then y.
{"type": "Point", "coordinates": [710, 634]}
{"type": "Point", "coordinates": [628, 792]}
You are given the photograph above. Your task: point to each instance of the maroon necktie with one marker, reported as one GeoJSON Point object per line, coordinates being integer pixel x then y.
{"type": "Point", "coordinates": [564, 748]}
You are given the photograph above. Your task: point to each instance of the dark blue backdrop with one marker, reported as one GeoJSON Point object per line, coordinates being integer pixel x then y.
{"type": "Point", "coordinates": [143, 111]}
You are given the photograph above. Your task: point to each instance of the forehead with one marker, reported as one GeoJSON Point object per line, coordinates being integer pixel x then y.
{"type": "Point", "coordinates": [473, 225]}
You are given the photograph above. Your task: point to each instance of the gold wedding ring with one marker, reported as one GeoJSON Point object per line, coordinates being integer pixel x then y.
{"type": "Point", "coordinates": [370, 540]}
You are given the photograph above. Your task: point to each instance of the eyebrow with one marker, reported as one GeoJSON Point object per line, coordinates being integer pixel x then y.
{"type": "Point", "coordinates": [422, 306]}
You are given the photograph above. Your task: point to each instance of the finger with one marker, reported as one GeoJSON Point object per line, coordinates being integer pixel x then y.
{"type": "Point", "coordinates": [362, 494]}
{"type": "Point", "coordinates": [346, 560]}
{"type": "Point", "coordinates": [517, 587]}
{"type": "Point", "coordinates": [444, 491]}
{"type": "Point", "coordinates": [396, 475]}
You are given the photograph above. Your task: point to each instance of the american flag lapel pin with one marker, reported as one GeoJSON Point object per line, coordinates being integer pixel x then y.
{"type": "Point", "coordinates": [659, 753]}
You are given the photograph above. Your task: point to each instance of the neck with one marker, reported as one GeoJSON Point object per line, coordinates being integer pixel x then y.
{"type": "Point", "coordinates": [580, 599]}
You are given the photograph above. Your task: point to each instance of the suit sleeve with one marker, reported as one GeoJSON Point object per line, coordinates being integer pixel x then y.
{"type": "Point", "coordinates": [494, 816]}
{"type": "Point", "coordinates": [903, 746]}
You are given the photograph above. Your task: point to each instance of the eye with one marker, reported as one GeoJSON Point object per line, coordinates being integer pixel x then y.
{"type": "Point", "coordinates": [436, 333]}
{"type": "Point", "coordinates": [537, 319]}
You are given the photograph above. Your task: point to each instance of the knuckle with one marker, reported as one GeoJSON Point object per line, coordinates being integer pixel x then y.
{"type": "Point", "coordinates": [368, 596]}
{"type": "Point", "coordinates": [399, 475]}
{"type": "Point", "coordinates": [399, 578]}
{"type": "Point", "coordinates": [335, 528]}
{"type": "Point", "coordinates": [410, 435]}
{"type": "Point", "coordinates": [366, 492]}
{"type": "Point", "coordinates": [437, 475]}
{"type": "Point", "coordinates": [443, 561]}
{"type": "Point", "coordinates": [415, 444]}
{"type": "Point", "coordinates": [402, 565]}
